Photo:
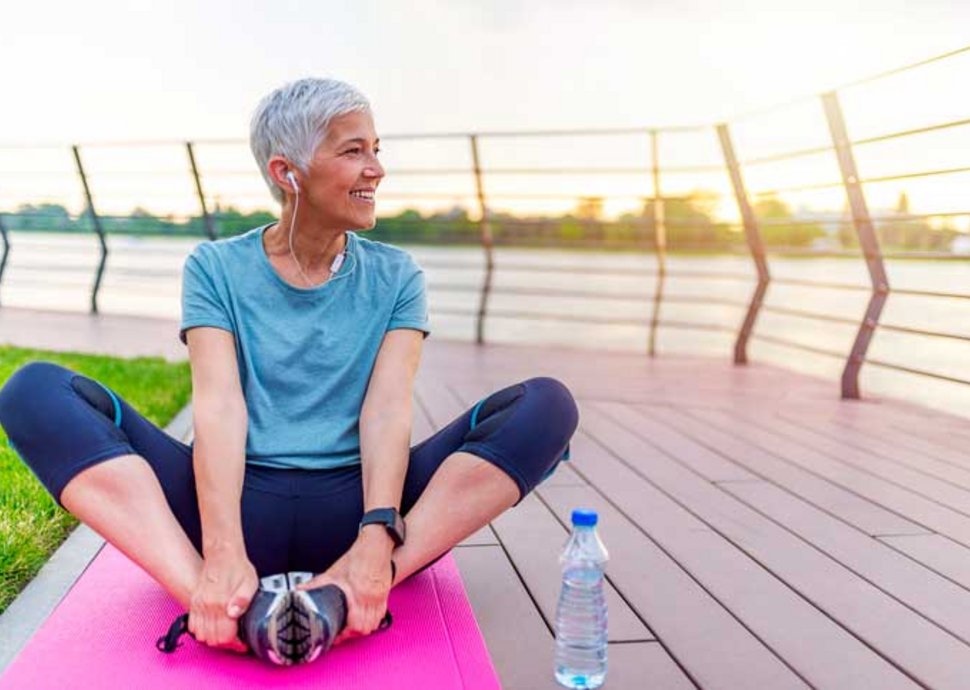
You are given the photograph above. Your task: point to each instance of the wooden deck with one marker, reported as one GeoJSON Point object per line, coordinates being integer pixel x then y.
{"type": "Point", "coordinates": [763, 533]}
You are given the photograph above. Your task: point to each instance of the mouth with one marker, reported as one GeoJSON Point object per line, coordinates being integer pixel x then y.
{"type": "Point", "coordinates": [363, 195]}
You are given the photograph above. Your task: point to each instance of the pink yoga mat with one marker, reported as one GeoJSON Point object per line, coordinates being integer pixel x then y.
{"type": "Point", "coordinates": [103, 636]}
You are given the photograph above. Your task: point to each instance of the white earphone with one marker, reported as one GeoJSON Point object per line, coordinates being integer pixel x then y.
{"type": "Point", "coordinates": [337, 260]}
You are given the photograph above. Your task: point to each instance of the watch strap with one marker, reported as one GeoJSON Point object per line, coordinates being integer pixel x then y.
{"type": "Point", "coordinates": [390, 518]}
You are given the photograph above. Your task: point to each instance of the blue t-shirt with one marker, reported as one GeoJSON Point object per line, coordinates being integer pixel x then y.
{"type": "Point", "coordinates": [305, 355]}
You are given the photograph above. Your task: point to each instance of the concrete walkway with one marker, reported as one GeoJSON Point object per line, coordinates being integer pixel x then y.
{"type": "Point", "coordinates": [106, 334]}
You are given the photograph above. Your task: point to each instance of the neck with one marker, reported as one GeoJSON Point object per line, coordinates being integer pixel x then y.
{"type": "Point", "coordinates": [315, 245]}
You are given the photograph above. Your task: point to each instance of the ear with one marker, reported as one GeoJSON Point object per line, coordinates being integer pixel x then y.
{"type": "Point", "coordinates": [278, 167]}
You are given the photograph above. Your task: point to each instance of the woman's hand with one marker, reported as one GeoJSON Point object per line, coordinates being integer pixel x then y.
{"type": "Point", "coordinates": [225, 588]}
{"type": "Point", "coordinates": [364, 575]}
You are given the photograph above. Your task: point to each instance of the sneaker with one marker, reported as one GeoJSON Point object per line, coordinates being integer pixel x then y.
{"type": "Point", "coordinates": [281, 625]}
{"type": "Point", "coordinates": [287, 627]}
{"type": "Point", "coordinates": [266, 625]}
{"type": "Point", "coordinates": [319, 615]}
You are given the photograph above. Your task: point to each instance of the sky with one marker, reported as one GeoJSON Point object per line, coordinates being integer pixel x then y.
{"type": "Point", "coordinates": [100, 71]}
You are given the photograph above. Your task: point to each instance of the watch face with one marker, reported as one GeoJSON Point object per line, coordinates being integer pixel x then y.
{"type": "Point", "coordinates": [390, 518]}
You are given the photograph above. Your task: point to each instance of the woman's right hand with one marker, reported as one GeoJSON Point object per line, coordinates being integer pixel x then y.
{"type": "Point", "coordinates": [226, 585]}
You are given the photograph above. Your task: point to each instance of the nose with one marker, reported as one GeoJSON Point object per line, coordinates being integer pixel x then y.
{"type": "Point", "coordinates": [374, 169]}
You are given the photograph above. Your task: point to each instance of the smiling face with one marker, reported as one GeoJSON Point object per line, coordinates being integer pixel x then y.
{"type": "Point", "coordinates": [343, 175]}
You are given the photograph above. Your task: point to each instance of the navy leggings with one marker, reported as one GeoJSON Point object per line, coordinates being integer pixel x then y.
{"type": "Point", "coordinates": [60, 423]}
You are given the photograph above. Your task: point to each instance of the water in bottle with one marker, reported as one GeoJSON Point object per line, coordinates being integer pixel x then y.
{"type": "Point", "coordinates": [581, 614]}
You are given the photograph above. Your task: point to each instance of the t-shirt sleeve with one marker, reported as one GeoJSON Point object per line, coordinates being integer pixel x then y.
{"type": "Point", "coordinates": [202, 304]}
{"type": "Point", "coordinates": [411, 306]}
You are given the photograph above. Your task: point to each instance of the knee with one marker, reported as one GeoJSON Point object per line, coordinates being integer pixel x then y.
{"type": "Point", "coordinates": [557, 401]}
{"type": "Point", "coordinates": [19, 396]}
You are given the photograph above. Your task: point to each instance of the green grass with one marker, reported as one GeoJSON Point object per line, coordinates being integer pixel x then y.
{"type": "Point", "coordinates": [32, 525]}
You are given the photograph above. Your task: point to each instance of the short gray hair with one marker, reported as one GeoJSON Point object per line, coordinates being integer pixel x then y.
{"type": "Point", "coordinates": [293, 120]}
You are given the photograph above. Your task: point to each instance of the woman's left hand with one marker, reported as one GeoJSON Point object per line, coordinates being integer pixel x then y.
{"type": "Point", "coordinates": [364, 575]}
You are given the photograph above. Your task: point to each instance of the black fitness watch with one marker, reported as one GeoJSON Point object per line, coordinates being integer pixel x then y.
{"type": "Point", "coordinates": [390, 518]}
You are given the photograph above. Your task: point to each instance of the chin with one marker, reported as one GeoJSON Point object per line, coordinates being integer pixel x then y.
{"type": "Point", "coordinates": [368, 224]}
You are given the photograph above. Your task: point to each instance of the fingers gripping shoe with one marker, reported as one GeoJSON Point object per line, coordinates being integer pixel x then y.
{"type": "Point", "coordinates": [258, 628]}
{"type": "Point", "coordinates": [282, 625]}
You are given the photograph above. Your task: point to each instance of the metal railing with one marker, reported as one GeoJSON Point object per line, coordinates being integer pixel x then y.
{"type": "Point", "coordinates": [647, 232]}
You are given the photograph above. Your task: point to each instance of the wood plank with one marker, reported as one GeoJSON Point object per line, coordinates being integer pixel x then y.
{"type": "Point", "coordinates": [943, 555]}
{"type": "Point", "coordinates": [796, 630]}
{"type": "Point", "coordinates": [438, 402]}
{"type": "Point", "coordinates": [939, 599]}
{"type": "Point", "coordinates": [890, 444]}
{"type": "Point", "coordinates": [824, 441]}
{"type": "Point", "coordinates": [534, 539]}
{"type": "Point", "coordinates": [638, 665]}
{"type": "Point", "coordinates": [564, 475]}
{"type": "Point", "coordinates": [913, 506]}
{"type": "Point", "coordinates": [705, 639]}
{"type": "Point", "coordinates": [521, 645]}
{"type": "Point", "coordinates": [421, 424]}
{"type": "Point", "coordinates": [523, 649]}
{"type": "Point", "coordinates": [924, 650]}
{"type": "Point", "coordinates": [713, 647]}
{"type": "Point", "coordinates": [483, 537]}
{"type": "Point", "coordinates": [927, 432]}
{"type": "Point", "coordinates": [707, 463]}
{"type": "Point", "coordinates": [693, 434]}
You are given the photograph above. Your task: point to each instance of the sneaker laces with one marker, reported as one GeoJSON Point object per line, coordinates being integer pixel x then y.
{"type": "Point", "coordinates": [169, 642]}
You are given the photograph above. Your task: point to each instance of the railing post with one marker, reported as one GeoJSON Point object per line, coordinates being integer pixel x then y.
{"type": "Point", "coordinates": [752, 234]}
{"type": "Point", "coordinates": [659, 242]}
{"type": "Point", "coordinates": [210, 229]}
{"type": "Point", "coordinates": [485, 229]}
{"type": "Point", "coordinates": [867, 241]}
{"type": "Point", "coordinates": [97, 227]}
{"type": "Point", "coordinates": [6, 248]}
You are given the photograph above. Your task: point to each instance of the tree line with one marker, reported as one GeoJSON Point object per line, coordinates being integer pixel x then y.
{"type": "Point", "coordinates": [689, 223]}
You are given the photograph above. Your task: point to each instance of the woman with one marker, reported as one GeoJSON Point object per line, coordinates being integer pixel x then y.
{"type": "Point", "coordinates": [304, 340]}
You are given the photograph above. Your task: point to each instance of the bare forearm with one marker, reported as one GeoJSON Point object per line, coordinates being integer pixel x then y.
{"type": "Point", "coordinates": [385, 435]}
{"type": "Point", "coordinates": [219, 462]}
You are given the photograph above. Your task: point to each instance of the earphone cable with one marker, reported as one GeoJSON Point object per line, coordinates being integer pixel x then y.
{"type": "Point", "coordinates": [296, 208]}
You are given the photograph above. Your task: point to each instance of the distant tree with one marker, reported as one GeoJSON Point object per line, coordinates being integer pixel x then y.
{"type": "Point", "coordinates": [230, 221]}
{"type": "Point", "coordinates": [904, 232]}
{"type": "Point", "coordinates": [590, 208]}
{"type": "Point", "coordinates": [49, 217]}
{"type": "Point", "coordinates": [772, 213]}
{"type": "Point", "coordinates": [688, 220]}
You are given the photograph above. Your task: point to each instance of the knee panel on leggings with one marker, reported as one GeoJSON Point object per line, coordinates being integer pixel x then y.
{"type": "Point", "coordinates": [524, 429]}
{"type": "Point", "coordinates": [60, 422]}
{"type": "Point", "coordinates": [492, 412]}
{"type": "Point", "coordinates": [98, 397]}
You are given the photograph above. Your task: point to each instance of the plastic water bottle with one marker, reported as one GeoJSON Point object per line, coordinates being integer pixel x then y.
{"type": "Point", "coordinates": [581, 614]}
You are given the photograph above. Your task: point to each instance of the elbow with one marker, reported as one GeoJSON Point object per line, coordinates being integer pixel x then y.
{"type": "Point", "coordinates": [207, 412]}
{"type": "Point", "coordinates": [388, 413]}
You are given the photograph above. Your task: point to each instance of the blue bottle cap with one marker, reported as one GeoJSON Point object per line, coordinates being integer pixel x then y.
{"type": "Point", "coordinates": [584, 518]}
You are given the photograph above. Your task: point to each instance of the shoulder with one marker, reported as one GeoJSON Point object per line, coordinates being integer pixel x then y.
{"type": "Point", "coordinates": [215, 255]}
{"type": "Point", "coordinates": [386, 257]}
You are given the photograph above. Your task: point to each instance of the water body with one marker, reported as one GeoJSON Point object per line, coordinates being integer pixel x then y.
{"type": "Point", "coordinates": [53, 271]}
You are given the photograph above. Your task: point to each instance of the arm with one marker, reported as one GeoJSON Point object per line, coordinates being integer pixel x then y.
{"type": "Point", "coordinates": [228, 579]}
{"type": "Point", "coordinates": [385, 435]}
{"type": "Point", "coordinates": [219, 418]}
{"type": "Point", "coordinates": [385, 421]}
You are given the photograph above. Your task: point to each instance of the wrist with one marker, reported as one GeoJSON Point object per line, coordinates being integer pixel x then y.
{"type": "Point", "coordinates": [387, 518]}
{"type": "Point", "coordinates": [376, 535]}
{"type": "Point", "coordinates": [223, 548]}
